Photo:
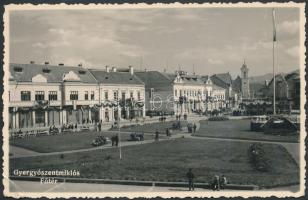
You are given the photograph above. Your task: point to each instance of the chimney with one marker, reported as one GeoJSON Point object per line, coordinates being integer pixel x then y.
{"type": "Point", "coordinates": [114, 69]}
{"type": "Point", "coordinates": [46, 63]}
{"type": "Point", "coordinates": [131, 70]}
{"type": "Point", "coordinates": [32, 62]}
{"type": "Point", "coordinates": [61, 64]}
{"type": "Point", "coordinates": [107, 69]}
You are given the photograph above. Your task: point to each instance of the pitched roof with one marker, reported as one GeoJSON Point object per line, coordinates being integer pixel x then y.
{"type": "Point", "coordinates": [293, 75]}
{"type": "Point", "coordinates": [115, 77]}
{"type": "Point", "coordinates": [225, 77]}
{"type": "Point", "coordinates": [155, 79]}
{"type": "Point", "coordinates": [192, 79]}
{"type": "Point", "coordinates": [219, 82]}
{"type": "Point", "coordinates": [237, 84]}
{"type": "Point", "coordinates": [216, 87]}
{"type": "Point", "coordinates": [53, 74]}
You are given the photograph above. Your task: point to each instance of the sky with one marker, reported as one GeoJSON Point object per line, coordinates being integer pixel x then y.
{"type": "Point", "coordinates": [206, 40]}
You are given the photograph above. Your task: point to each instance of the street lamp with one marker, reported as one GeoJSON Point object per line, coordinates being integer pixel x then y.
{"type": "Point", "coordinates": [118, 123]}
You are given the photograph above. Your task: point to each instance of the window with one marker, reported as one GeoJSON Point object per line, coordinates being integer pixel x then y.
{"type": "Point", "coordinates": [123, 95]}
{"type": "Point", "coordinates": [86, 95]}
{"type": "Point", "coordinates": [152, 93]}
{"type": "Point", "coordinates": [181, 93]}
{"type": "Point", "coordinates": [115, 95]}
{"type": "Point", "coordinates": [46, 71]}
{"type": "Point", "coordinates": [175, 93]}
{"type": "Point", "coordinates": [39, 95]}
{"type": "Point", "coordinates": [106, 95]}
{"type": "Point", "coordinates": [25, 95]}
{"type": "Point", "coordinates": [74, 95]}
{"type": "Point", "coordinates": [131, 94]}
{"type": "Point", "coordinates": [17, 69]}
{"type": "Point", "coordinates": [92, 95]}
{"type": "Point", "coordinates": [138, 95]}
{"type": "Point", "coordinates": [53, 96]}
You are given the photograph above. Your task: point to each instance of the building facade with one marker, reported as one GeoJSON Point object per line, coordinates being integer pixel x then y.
{"type": "Point", "coordinates": [46, 95]}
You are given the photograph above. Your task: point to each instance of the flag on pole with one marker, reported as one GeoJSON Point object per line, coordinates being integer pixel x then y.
{"type": "Point", "coordinates": [274, 25]}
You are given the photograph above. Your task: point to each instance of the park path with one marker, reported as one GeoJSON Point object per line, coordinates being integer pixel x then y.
{"type": "Point", "coordinates": [19, 152]}
{"type": "Point", "coordinates": [292, 148]}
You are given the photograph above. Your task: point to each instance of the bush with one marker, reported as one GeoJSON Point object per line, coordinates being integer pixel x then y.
{"type": "Point", "coordinates": [257, 157]}
{"type": "Point", "coordinates": [218, 118]}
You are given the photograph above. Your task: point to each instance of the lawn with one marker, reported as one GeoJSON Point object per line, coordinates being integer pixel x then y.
{"type": "Point", "coordinates": [239, 129]}
{"type": "Point", "coordinates": [152, 127]}
{"type": "Point", "coordinates": [65, 142]}
{"type": "Point", "coordinates": [170, 160]}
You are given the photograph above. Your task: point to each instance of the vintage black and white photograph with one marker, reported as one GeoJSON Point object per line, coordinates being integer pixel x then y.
{"type": "Point", "coordinates": [154, 100]}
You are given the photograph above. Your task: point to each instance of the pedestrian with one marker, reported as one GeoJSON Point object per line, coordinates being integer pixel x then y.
{"type": "Point", "coordinates": [223, 182]}
{"type": "Point", "coordinates": [99, 127]}
{"type": "Point", "coordinates": [167, 132]}
{"type": "Point", "coordinates": [190, 176]}
{"type": "Point", "coordinates": [195, 127]}
{"type": "Point", "coordinates": [117, 140]}
{"type": "Point", "coordinates": [215, 183]}
{"type": "Point", "coordinates": [156, 135]}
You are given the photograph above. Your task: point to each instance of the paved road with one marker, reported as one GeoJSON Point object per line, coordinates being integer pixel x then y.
{"type": "Point", "coordinates": [32, 186]}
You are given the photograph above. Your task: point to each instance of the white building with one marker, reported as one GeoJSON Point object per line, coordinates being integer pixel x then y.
{"type": "Point", "coordinates": [45, 95]}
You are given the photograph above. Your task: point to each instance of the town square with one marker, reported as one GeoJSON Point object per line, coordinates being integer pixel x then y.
{"type": "Point", "coordinates": [155, 100]}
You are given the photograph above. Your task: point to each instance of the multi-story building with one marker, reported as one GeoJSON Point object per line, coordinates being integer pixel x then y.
{"type": "Point", "coordinates": [121, 93]}
{"type": "Point", "coordinates": [180, 93]}
{"type": "Point", "coordinates": [45, 95]}
{"type": "Point", "coordinates": [159, 94]}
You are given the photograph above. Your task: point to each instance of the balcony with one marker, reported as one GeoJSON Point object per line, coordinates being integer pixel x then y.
{"type": "Point", "coordinates": [33, 103]}
{"type": "Point", "coordinates": [80, 102]}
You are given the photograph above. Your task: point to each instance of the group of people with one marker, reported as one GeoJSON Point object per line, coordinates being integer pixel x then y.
{"type": "Point", "coordinates": [53, 129]}
{"type": "Point", "coordinates": [218, 182]}
{"type": "Point", "coordinates": [69, 126]}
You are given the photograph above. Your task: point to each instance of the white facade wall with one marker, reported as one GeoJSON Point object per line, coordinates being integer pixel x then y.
{"type": "Point", "coordinates": [16, 89]}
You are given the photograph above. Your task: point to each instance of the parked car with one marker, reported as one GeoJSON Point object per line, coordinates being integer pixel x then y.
{"type": "Point", "coordinates": [136, 137]}
{"type": "Point", "coordinates": [100, 140]}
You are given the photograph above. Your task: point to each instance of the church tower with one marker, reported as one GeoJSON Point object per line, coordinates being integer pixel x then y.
{"type": "Point", "coordinates": [245, 82]}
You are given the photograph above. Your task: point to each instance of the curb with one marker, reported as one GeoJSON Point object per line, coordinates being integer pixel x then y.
{"type": "Point", "coordinates": [136, 183]}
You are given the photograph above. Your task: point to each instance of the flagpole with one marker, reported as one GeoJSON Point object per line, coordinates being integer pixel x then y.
{"type": "Point", "coordinates": [274, 78]}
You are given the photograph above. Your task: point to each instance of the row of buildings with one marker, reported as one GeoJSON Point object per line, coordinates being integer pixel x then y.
{"type": "Point", "coordinates": [41, 95]}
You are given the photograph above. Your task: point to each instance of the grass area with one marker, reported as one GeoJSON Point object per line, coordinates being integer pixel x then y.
{"type": "Point", "coordinates": [239, 129]}
{"type": "Point", "coordinates": [152, 127]}
{"type": "Point", "coordinates": [170, 160]}
{"type": "Point", "coordinates": [65, 142]}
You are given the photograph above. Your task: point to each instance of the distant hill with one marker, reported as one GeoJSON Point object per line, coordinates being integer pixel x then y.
{"type": "Point", "coordinates": [261, 79]}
